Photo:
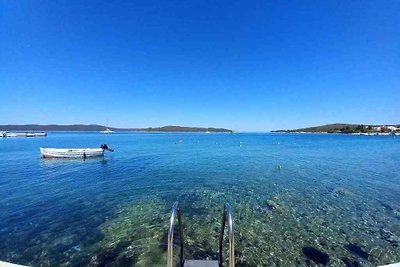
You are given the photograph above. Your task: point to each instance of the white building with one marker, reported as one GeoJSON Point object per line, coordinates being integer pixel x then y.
{"type": "Point", "coordinates": [392, 128]}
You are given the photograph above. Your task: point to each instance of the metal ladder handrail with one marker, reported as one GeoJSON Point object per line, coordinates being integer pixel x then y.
{"type": "Point", "coordinates": [176, 211]}
{"type": "Point", "coordinates": [227, 214]}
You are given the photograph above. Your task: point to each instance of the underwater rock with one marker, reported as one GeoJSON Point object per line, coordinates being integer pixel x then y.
{"type": "Point", "coordinates": [397, 214]}
{"type": "Point", "coordinates": [350, 263]}
{"type": "Point", "coordinates": [357, 251]}
{"type": "Point", "coordinates": [204, 254]}
{"type": "Point", "coordinates": [272, 205]}
{"type": "Point", "coordinates": [243, 263]}
{"type": "Point", "coordinates": [322, 241]}
{"type": "Point", "coordinates": [340, 191]}
{"type": "Point", "coordinates": [79, 260]}
{"type": "Point", "coordinates": [92, 237]}
{"type": "Point", "coordinates": [316, 255]}
{"type": "Point", "coordinates": [102, 259]}
{"type": "Point", "coordinates": [115, 255]}
{"type": "Point", "coordinates": [390, 237]}
{"type": "Point", "coordinates": [386, 206]}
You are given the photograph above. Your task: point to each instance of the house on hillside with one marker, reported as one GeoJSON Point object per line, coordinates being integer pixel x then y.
{"type": "Point", "coordinates": [392, 128]}
{"type": "Point", "coordinates": [385, 128]}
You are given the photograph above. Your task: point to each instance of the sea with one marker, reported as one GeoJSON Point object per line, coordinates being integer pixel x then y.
{"type": "Point", "coordinates": [296, 199]}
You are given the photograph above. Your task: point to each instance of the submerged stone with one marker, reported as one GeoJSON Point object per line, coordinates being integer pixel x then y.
{"type": "Point", "coordinates": [316, 255]}
{"type": "Point", "coordinates": [340, 192]}
{"type": "Point", "coordinates": [350, 263]}
{"type": "Point", "coordinates": [386, 206]}
{"type": "Point", "coordinates": [113, 256]}
{"type": "Point", "coordinates": [322, 241]}
{"type": "Point", "coordinates": [272, 205]}
{"type": "Point", "coordinates": [396, 214]}
{"type": "Point", "coordinates": [389, 237]}
{"type": "Point", "coordinates": [357, 251]}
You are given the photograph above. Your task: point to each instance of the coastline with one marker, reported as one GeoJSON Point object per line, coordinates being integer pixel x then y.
{"type": "Point", "coordinates": [101, 128]}
{"type": "Point", "coordinates": [343, 128]}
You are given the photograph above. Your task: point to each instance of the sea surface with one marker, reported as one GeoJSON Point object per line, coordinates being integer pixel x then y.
{"type": "Point", "coordinates": [297, 199]}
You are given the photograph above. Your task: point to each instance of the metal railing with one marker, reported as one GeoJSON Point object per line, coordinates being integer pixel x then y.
{"type": "Point", "coordinates": [227, 215]}
{"type": "Point", "coordinates": [175, 212]}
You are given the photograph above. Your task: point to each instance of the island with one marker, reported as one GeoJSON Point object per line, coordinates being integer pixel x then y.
{"type": "Point", "coordinates": [356, 129]}
{"type": "Point", "coordinates": [98, 128]}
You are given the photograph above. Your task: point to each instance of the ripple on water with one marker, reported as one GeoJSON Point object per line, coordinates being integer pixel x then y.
{"type": "Point", "coordinates": [324, 205]}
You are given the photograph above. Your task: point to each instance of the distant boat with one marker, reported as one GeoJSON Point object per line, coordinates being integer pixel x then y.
{"type": "Point", "coordinates": [35, 134]}
{"type": "Point", "coordinates": [15, 135]}
{"type": "Point", "coordinates": [107, 131]}
{"type": "Point", "coordinates": [73, 152]}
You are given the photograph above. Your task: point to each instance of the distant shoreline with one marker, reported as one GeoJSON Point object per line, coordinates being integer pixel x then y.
{"type": "Point", "coordinates": [99, 128]}
{"type": "Point", "coordinates": [342, 128]}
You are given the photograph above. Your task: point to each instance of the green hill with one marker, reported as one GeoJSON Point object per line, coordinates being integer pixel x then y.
{"type": "Point", "coordinates": [97, 128]}
{"type": "Point", "coordinates": [335, 128]}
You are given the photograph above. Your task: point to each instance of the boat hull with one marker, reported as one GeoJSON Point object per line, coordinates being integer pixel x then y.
{"type": "Point", "coordinates": [71, 152]}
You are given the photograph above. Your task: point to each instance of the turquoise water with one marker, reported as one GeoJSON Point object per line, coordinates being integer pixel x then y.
{"type": "Point", "coordinates": [333, 201]}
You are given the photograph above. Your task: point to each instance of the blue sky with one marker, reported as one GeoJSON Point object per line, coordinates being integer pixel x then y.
{"type": "Point", "coordinates": [244, 65]}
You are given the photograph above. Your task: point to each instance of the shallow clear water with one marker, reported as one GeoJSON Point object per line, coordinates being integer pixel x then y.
{"type": "Point", "coordinates": [334, 196]}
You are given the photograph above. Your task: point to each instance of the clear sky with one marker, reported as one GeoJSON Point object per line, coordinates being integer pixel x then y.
{"type": "Point", "coordinates": [244, 65]}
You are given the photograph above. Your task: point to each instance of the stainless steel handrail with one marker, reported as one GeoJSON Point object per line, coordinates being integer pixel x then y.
{"type": "Point", "coordinates": [227, 214]}
{"type": "Point", "coordinates": [176, 211]}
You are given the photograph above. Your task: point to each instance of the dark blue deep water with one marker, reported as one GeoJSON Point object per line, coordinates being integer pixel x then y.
{"type": "Point", "coordinates": [297, 199]}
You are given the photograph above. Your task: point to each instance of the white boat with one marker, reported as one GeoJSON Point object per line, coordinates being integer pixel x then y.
{"type": "Point", "coordinates": [36, 134]}
{"type": "Point", "coordinates": [107, 131]}
{"type": "Point", "coordinates": [73, 152]}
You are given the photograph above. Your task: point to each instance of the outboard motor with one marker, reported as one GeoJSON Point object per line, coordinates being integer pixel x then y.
{"type": "Point", "coordinates": [105, 147]}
